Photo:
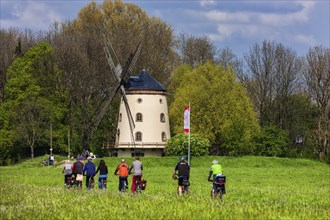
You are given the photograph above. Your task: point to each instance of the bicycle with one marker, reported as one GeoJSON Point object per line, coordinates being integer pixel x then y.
{"type": "Point", "coordinates": [69, 182]}
{"type": "Point", "coordinates": [123, 184]}
{"type": "Point", "coordinates": [77, 182]}
{"type": "Point", "coordinates": [219, 190]}
{"type": "Point", "coordinates": [103, 183]}
{"type": "Point", "coordinates": [185, 185]}
{"type": "Point", "coordinates": [91, 182]}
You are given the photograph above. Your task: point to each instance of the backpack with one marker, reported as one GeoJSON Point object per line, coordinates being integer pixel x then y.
{"type": "Point", "coordinates": [143, 184]}
{"type": "Point", "coordinates": [185, 182]}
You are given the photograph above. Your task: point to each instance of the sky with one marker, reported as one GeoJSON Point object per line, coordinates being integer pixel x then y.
{"type": "Point", "coordinates": [235, 24]}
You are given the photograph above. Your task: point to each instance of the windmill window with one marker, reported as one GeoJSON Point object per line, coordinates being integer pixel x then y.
{"type": "Point", "coordinates": [139, 100]}
{"type": "Point", "coordinates": [162, 117]}
{"type": "Point", "coordinates": [138, 136]}
{"type": "Point", "coordinates": [138, 117]}
{"type": "Point", "coordinates": [163, 136]}
{"type": "Point", "coordinates": [161, 101]}
{"type": "Point", "coordinates": [120, 116]}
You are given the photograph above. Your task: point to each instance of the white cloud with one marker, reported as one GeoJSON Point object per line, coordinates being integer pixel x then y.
{"type": "Point", "coordinates": [34, 15]}
{"type": "Point", "coordinates": [226, 31]}
{"type": "Point", "coordinates": [305, 39]}
{"type": "Point", "coordinates": [220, 16]}
{"type": "Point", "coordinates": [207, 3]}
{"type": "Point", "coordinates": [273, 26]}
{"type": "Point", "coordinates": [288, 19]}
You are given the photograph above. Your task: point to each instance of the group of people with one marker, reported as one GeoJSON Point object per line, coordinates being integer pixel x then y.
{"type": "Point", "coordinates": [181, 169]}
{"type": "Point", "coordinates": [89, 170]}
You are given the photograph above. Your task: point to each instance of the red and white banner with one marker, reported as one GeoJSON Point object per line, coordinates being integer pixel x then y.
{"type": "Point", "coordinates": [186, 120]}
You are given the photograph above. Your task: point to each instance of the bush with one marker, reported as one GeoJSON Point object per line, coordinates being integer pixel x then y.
{"type": "Point", "coordinates": [271, 141]}
{"type": "Point", "coordinates": [178, 145]}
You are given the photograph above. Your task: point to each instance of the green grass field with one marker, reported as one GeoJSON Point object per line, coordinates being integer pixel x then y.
{"type": "Point", "coordinates": [257, 188]}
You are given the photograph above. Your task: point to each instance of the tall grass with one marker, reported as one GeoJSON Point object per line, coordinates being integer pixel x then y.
{"type": "Point", "coordinates": [257, 188]}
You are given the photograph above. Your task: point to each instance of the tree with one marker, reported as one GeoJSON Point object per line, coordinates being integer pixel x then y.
{"type": "Point", "coordinates": [317, 79]}
{"type": "Point", "coordinates": [30, 105]}
{"type": "Point", "coordinates": [261, 61]}
{"type": "Point", "coordinates": [220, 108]}
{"type": "Point", "coordinates": [229, 60]}
{"type": "Point", "coordinates": [13, 43]}
{"type": "Point", "coordinates": [287, 67]}
{"type": "Point", "coordinates": [178, 145]}
{"type": "Point", "coordinates": [86, 76]}
{"type": "Point", "coordinates": [195, 50]}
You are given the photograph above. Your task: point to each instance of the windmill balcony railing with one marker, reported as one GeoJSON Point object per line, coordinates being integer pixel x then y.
{"type": "Point", "coordinates": [137, 145]}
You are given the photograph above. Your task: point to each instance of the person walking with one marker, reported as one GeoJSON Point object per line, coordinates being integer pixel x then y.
{"type": "Point", "coordinates": [103, 173]}
{"type": "Point", "coordinates": [89, 172]}
{"type": "Point", "coordinates": [137, 174]}
{"type": "Point", "coordinates": [123, 173]}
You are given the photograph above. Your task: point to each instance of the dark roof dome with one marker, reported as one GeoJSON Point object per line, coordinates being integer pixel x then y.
{"type": "Point", "coordinates": [143, 81]}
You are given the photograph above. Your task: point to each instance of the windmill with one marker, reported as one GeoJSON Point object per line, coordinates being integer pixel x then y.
{"type": "Point", "coordinates": [122, 75]}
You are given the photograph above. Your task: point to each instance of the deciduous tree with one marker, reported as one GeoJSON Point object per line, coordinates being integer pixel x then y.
{"type": "Point", "coordinates": [30, 105]}
{"type": "Point", "coordinates": [221, 110]}
{"type": "Point", "coordinates": [317, 79]}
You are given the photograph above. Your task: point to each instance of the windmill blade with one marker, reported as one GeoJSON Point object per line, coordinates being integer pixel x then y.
{"type": "Point", "coordinates": [130, 63]}
{"type": "Point", "coordinates": [114, 65]}
{"type": "Point", "coordinates": [129, 115]}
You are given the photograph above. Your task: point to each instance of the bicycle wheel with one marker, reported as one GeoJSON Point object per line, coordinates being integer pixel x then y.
{"type": "Point", "coordinates": [220, 194]}
{"type": "Point", "coordinates": [104, 184]}
{"type": "Point", "coordinates": [123, 186]}
{"type": "Point", "coordinates": [137, 186]}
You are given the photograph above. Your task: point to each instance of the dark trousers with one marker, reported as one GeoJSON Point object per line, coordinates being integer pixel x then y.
{"type": "Point", "coordinates": [122, 179]}
{"type": "Point", "coordinates": [66, 177]}
{"type": "Point", "coordinates": [88, 179]}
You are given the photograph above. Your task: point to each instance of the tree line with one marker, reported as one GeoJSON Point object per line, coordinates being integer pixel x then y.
{"type": "Point", "coordinates": [270, 102]}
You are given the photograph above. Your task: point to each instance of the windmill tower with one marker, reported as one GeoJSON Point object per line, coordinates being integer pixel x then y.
{"type": "Point", "coordinates": [147, 98]}
{"type": "Point", "coordinates": [147, 103]}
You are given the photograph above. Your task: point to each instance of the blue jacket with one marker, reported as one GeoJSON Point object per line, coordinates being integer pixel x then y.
{"type": "Point", "coordinates": [89, 168]}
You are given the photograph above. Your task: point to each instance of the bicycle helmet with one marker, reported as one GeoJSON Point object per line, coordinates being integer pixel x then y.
{"type": "Point", "coordinates": [182, 158]}
{"type": "Point", "coordinates": [214, 162]}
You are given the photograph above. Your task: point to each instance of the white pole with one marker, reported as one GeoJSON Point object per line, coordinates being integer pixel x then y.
{"type": "Point", "coordinates": [189, 136]}
{"type": "Point", "coordinates": [51, 139]}
{"type": "Point", "coordinates": [69, 144]}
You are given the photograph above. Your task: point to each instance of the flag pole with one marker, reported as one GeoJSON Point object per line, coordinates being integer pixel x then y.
{"type": "Point", "coordinates": [189, 136]}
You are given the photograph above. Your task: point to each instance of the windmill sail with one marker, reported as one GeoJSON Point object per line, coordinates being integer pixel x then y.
{"type": "Point", "coordinates": [122, 76]}
{"type": "Point", "coordinates": [130, 63]}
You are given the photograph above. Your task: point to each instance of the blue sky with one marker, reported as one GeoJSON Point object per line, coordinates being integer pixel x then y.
{"type": "Point", "coordinates": [237, 24]}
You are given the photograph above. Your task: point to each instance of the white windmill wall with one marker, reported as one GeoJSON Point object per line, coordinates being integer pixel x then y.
{"type": "Point", "coordinates": [151, 104]}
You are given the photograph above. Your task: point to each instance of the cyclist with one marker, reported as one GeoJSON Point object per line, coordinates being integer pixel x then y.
{"type": "Point", "coordinates": [89, 169]}
{"type": "Point", "coordinates": [67, 170]}
{"type": "Point", "coordinates": [137, 166]}
{"type": "Point", "coordinates": [216, 171]}
{"type": "Point", "coordinates": [183, 170]}
{"type": "Point", "coordinates": [123, 173]}
{"type": "Point", "coordinates": [103, 172]}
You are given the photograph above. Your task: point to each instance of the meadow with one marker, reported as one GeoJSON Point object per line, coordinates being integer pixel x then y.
{"type": "Point", "coordinates": [257, 188]}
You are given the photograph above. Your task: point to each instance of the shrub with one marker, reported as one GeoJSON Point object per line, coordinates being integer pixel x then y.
{"type": "Point", "coordinates": [178, 145]}
{"type": "Point", "coordinates": [271, 141]}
